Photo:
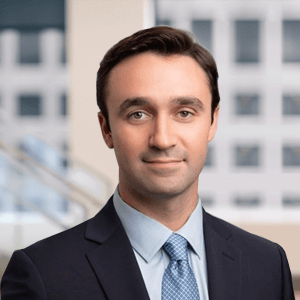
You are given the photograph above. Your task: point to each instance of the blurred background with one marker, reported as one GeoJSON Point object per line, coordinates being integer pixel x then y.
{"type": "Point", "coordinates": [56, 171]}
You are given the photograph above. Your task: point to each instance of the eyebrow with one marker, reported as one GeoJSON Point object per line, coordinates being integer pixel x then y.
{"type": "Point", "coordinates": [191, 101]}
{"type": "Point", "coordinates": [129, 102]}
{"type": "Point", "coordinates": [142, 101]}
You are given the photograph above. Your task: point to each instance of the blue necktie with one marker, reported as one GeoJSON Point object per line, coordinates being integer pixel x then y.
{"type": "Point", "coordinates": [179, 282]}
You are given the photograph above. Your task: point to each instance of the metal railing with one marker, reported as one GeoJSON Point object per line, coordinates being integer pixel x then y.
{"type": "Point", "coordinates": [16, 170]}
{"type": "Point", "coordinates": [70, 191]}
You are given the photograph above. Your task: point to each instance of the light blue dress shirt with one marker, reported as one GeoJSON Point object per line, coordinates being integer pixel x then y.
{"type": "Point", "coordinates": [147, 237]}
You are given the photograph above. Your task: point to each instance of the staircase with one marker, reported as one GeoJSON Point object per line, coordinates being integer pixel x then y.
{"type": "Point", "coordinates": [43, 192]}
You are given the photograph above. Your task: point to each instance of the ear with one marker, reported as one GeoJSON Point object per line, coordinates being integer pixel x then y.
{"type": "Point", "coordinates": [105, 133]}
{"type": "Point", "coordinates": [213, 126]}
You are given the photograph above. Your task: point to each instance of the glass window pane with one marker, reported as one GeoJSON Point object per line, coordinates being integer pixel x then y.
{"type": "Point", "coordinates": [40, 13]}
{"type": "Point", "coordinates": [247, 41]}
{"type": "Point", "coordinates": [1, 44]}
{"type": "Point", "coordinates": [247, 201]}
{"type": "Point", "coordinates": [29, 47]}
{"type": "Point", "coordinates": [29, 105]}
{"type": "Point", "coordinates": [203, 32]}
{"type": "Point", "coordinates": [63, 57]}
{"type": "Point", "coordinates": [63, 105]}
{"type": "Point", "coordinates": [291, 41]}
{"type": "Point", "coordinates": [247, 104]}
{"type": "Point", "coordinates": [291, 201]}
{"type": "Point", "coordinates": [291, 156]}
{"type": "Point", "coordinates": [291, 105]}
{"type": "Point", "coordinates": [247, 156]}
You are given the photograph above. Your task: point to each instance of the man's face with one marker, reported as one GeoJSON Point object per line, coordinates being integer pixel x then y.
{"type": "Point", "coordinates": [160, 118]}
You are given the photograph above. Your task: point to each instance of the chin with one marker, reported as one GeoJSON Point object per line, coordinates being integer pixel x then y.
{"type": "Point", "coordinates": [164, 191]}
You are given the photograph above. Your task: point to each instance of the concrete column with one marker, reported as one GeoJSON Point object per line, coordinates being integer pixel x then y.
{"type": "Point", "coordinates": [93, 26]}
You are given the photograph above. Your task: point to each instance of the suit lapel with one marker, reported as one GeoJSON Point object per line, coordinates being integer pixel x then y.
{"type": "Point", "coordinates": [223, 261]}
{"type": "Point", "coordinates": [113, 261]}
{"type": "Point", "coordinates": [116, 268]}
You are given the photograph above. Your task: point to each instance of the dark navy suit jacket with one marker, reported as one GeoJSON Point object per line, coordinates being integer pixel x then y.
{"type": "Point", "coordinates": [95, 260]}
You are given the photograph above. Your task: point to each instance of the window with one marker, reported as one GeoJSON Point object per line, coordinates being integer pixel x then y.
{"type": "Point", "coordinates": [18, 14]}
{"type": "Point", "coordinates": [1, 46]}
{"type": "Point", "coordinates": [29, 47]}
{"type": "Point", "coordinates": [291, 40]}
{"type": "Point", "coordinates": [291, 156]}
{"type": "Point", "coordinates": [29, 105]}
{"type": "Point", "coordinates": [163, 22]}
{"type": "Point", "coordinates": [247, 104]}
{"type": "Point", "coordinates": [203, 31]}
{"type": "Point", "coordinates": [63, 57]}
{"type": "Point", "coordinates": [29, 18]}
{"type": "Point", "coordinates": [247, 201]}
{"type": "Point", "coordinates": [209, 157]}
{"type": "Point", "coordinates": [247, 41]}
{"type": "Point", "coordinates": [291, 105]}
{"type": "Point", "coordinates": [291, 201]}
{"type": "Point", "coordinates": [247, 156]}
{"type": "Point", "coordinates": [63, 105]}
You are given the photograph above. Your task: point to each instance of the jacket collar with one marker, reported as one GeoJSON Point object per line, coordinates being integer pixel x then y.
{"type": "Point", "coordinates": [113, 260]}
{"type": "Point", "coordinates": [223, 260]}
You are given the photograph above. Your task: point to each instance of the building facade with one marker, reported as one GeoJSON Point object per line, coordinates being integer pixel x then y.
{"type": "Point", "coordinates": [254, 160]}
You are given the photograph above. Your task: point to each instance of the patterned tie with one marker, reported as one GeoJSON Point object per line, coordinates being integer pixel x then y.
{"type": "Point", "coordinates": [179, 282]}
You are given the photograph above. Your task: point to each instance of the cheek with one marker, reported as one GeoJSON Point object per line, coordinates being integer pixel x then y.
{"type": "Point", "coordinates": [128, 144]}
{"type": "Point", "coordinates": [196, 137]}
{"type": "Point", "coordinates": [195, 143]}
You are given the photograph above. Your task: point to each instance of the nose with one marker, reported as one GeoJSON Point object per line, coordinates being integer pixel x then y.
{"type": "Point", "coordinates": [163, 135]}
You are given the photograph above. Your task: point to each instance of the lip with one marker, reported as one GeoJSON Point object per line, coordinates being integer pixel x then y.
{"type": "Point", "coordinates": [163, 161]}
{"type": "Point", "coordinates": [164, 167]}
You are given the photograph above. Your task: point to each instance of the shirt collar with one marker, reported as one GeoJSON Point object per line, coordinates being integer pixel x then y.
{"type": "Point", "coordinates": [192, 230]}
{"type": "Point", "coordinates": [147, 235]}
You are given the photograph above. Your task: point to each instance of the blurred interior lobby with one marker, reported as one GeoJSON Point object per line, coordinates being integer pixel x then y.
{"type": "Point", "coordinates": [55, 169]}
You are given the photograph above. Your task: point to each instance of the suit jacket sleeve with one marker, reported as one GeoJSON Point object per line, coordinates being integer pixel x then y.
{"type": "Point", "coordinates": [21, 279]}
{"type": "Point", "coordinates": [287, 285]}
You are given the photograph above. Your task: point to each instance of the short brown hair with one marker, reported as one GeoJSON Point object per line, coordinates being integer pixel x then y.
{"type": "Point", "coordinates": [161, 40]}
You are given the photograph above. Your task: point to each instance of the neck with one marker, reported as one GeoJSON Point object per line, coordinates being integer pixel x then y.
{"type": "Point", "coordinates": [173, 212]}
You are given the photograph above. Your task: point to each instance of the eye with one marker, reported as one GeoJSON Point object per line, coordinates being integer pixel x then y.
{"type": "Point", "coordinates": [185, 113]}
{"type": "Point", "coordinates": [138, 115]}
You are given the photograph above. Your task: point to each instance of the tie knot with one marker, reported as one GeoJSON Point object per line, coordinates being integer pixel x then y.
{"type": "Point", "coordinates": [176, 247]}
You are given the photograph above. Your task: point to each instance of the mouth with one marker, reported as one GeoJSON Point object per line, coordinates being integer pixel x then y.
{"type": "Point", "coordinates": [164, 167]}
{"type": "Point", "coordinates": [163, 161]}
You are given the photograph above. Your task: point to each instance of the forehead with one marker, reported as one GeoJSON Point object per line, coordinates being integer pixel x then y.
{"type": "Point", "coordinates": [147, 59]}
{"type": "Point", "coordinates": [157, 77]}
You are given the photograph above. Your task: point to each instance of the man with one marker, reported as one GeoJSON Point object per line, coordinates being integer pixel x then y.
{"type": "Point", "coordinates": [158, 95]}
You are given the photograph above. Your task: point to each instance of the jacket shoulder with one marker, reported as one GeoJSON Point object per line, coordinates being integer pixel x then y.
{"type": "Point", "coordinates": [80, 238]}
{"type": "Point", "coordinates": [241, 238]}
{"type": "Point", "coordinates": [65, 239]}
